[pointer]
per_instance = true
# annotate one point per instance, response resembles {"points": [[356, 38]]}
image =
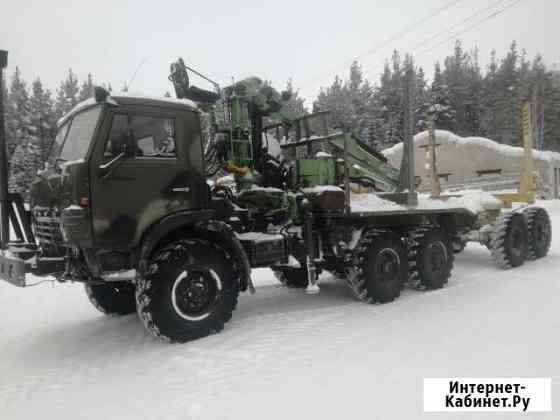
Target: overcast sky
{"points": [[309, 41]]}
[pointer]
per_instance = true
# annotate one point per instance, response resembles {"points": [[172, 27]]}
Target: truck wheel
{"points": [[190, 290], [539, 231], [112, 298], [431, 257], [292, 277], [458, 245], [509, 242], [383, 267]]}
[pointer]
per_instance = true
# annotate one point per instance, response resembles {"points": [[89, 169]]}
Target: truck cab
{"points": [[117, 166]]}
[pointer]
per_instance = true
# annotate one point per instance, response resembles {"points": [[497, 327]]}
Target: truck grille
{"points": [[47, 226]]}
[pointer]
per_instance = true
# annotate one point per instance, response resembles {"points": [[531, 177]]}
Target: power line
{"points": [[467, 29], [387, 41], [446, 30]]}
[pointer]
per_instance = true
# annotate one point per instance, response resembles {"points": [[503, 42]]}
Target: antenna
{"points": [[129, 84]]}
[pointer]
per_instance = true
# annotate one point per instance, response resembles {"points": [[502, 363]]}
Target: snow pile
{"points": [[474, 201], [449, 137], [372, 202]]}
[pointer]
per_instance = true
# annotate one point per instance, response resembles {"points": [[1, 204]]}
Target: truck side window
{"points": [[153, 137]]}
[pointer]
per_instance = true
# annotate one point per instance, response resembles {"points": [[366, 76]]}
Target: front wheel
{"points": [[190, 290], [115, 298]]}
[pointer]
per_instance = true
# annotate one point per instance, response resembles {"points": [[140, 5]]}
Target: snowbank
{"points": [[449, 137]]}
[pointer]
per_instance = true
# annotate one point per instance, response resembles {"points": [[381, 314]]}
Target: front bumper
{"points": [[12, 269]]}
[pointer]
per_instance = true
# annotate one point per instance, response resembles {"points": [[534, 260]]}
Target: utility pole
{"points": [[408, 163], [4, 201], [432, 170]]}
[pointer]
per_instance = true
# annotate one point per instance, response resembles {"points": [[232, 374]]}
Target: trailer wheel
{"points": [[509, 242], [116, 298], [292, 277], [431, 257], [539, 231], [190, 290], [383, 267]]}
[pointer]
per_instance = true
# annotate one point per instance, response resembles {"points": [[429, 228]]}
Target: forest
{"points": [[458, 95]]}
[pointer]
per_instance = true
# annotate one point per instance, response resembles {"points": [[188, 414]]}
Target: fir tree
{"points": [[441, 111], [42, 118], [67, 94]]}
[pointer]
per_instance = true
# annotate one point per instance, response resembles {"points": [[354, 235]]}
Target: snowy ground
{"points": [[285, 355]]}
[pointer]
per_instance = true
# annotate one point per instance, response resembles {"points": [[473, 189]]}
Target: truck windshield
{"points": [[73, 138]]}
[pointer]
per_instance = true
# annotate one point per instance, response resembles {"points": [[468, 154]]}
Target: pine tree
{"points": [[86, 91]]}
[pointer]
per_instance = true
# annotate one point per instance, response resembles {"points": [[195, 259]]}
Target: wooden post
{"points": [[4, 201], [526, 183], [434, 179]]}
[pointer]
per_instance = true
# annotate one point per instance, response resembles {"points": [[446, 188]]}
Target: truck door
{"points": [[148, 165]]}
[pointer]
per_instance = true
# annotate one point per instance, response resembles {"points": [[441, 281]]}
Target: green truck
{"points": [[130, 207]]}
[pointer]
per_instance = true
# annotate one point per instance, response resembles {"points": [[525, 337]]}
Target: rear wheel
{"points": [[189, 291], [539, 232], [431, 258], [509, 242], [116, 298]]}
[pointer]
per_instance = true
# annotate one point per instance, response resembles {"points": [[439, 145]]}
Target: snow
{"points": [[140, 95], [79, 106], [372, 202], [285, 354], [504, 149], [319, 189], [472, 200], [114, 100], [259, 237], [321, 154]]}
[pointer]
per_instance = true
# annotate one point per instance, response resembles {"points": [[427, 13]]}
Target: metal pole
{"points": [[4, 202]]}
